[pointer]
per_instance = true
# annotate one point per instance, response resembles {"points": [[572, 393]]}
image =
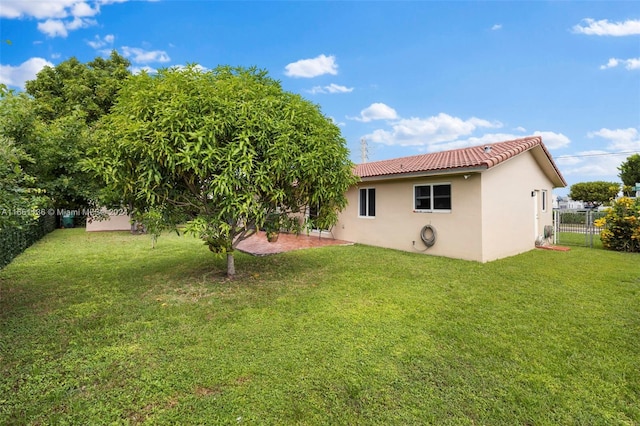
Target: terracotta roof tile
{"points": [[482, 156]]}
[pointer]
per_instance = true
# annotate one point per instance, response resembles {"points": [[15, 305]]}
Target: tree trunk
{"points": [[231, 266]]}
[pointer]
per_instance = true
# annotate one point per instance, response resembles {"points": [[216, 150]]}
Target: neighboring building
{"points": [[484, 202], [566, 203], [109, 221]]}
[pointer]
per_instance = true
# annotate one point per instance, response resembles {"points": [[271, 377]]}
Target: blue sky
{"points": [[409, 77]]}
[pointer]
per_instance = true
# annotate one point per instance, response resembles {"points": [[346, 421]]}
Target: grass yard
{"points": [[580, 239], [101, 329]]}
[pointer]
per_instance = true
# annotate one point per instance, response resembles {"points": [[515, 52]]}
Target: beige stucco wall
{"points": [[492, 214], [115, 222], [397, 226], [509, 208]]}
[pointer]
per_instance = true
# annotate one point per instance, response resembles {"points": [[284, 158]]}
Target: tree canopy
{"points": [[72, 86], [595, 193], [52, 121], [19, 198], [630, 170], [226, 149]]}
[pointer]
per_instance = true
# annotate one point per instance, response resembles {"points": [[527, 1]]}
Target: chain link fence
{"points": [[575, 227], [16, 239]]}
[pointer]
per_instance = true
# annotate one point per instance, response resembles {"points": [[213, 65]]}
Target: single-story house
{"points": [[480, 203]]}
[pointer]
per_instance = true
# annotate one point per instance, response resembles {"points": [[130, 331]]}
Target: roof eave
{"points": [[549, 166], [413, 175]]}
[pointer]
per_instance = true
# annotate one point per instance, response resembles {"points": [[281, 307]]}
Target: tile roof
{"points": [[476, 157]]}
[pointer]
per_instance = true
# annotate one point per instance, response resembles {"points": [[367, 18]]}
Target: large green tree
{"points": [[630, 172], [227, 149], [72, 86], [596, 193], [52, 122], [19, 198]]}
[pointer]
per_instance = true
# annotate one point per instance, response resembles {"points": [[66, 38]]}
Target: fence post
{"points": [[590, 228]]}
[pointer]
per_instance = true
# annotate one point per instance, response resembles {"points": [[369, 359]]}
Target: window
{"points": [[544, 200], [314, 212], [428, 198], [367, 202]]}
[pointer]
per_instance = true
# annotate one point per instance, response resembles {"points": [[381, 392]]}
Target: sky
{"points": [[407, 77]]}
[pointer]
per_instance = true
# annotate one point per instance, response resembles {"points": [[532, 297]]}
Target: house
{"points": [[566, 203], [480, 203]]}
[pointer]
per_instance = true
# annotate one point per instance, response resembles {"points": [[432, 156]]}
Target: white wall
{"points": [[115, 222]]}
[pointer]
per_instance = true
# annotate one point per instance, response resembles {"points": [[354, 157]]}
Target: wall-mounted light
{"points": [[467, 176], [533, 193]]}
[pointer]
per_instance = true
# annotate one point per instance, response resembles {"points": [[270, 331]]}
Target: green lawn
{"points": [[579, 239], [101, 329]]}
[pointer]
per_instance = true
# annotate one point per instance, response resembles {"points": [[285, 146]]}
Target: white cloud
{"points": [[332, 88], [376, 111], [308, 68], [56, 17], [197, 67], [605, 28], [141, 56], [17, 76], [98, 42], [553, 140], [550, 139], [53, 28], [83, 9], [147, 69], [60, 28], [520, 129], [613, 62], [595, 164], [429, 131], [496, 27], [602, 164], [337, 123], [619, 139], [630, 64], [13, 9]]}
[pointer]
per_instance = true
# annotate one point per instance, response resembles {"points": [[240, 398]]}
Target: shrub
{"points": [[621, 225], [572, 218]]}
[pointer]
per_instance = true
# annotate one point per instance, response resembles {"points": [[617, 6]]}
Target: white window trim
{"points": [[360, 201], [432, 210], [545, 200]]}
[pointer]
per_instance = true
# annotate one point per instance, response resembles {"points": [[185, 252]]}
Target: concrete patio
{"points": [[258, 245]]}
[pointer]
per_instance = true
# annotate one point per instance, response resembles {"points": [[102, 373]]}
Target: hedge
{"points": [[15, 240], [578, 218]]}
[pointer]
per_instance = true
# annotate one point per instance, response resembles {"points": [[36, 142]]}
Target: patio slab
{"points": [[258, 245]]}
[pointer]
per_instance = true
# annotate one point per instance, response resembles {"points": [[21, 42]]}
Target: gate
{"points": [[575, 227]]}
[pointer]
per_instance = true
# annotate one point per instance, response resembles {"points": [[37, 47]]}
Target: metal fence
{"points": [[15, 240], [575, 227]]}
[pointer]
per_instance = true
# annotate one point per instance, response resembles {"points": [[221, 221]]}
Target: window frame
{"points": [[544, 200], [368, 191], [432, 208], [309, 215]]}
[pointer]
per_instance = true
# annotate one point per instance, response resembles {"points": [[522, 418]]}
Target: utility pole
{"points": [[364, 151]]}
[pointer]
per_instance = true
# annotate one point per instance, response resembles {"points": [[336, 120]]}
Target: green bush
{"points": [[579, 218], [572, 218], [621, 225], [16, 239]]}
